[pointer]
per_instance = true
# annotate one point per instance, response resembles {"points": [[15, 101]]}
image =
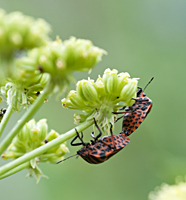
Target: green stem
{"points": [[15, 170], [42, 149], [31, 111], [5, 119]]}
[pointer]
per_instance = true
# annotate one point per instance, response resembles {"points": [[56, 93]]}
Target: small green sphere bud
{"points": [[86, 90], [129, 90]]}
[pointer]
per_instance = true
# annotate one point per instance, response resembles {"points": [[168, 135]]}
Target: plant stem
{"points": [[5, 119], [15, 170], [42, 149], [28, 114]]}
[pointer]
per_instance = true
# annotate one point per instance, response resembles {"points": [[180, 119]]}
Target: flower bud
{"points": [[19, 145], [105, 78], [52, 135], [75, 99], [129, 90], [79, 118], [86, 90], [112, 82], [81, 55], [23, 134], [62, 150], [66, 103], [44, 79], [7, 155], [130, 102], [21, 32], [123, 79], [29, 126], [34, 136], [43, 129], [99, 85]]}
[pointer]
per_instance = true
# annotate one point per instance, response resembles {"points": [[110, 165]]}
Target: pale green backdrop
{"points": [[145, 38]]}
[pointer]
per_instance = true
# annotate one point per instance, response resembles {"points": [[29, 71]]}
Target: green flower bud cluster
{"points": [[32, 136], [21, 92], [18, 32], [100, 98], [59, 59]]}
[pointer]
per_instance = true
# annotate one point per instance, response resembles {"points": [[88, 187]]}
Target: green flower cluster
{"points": [[24, 89], [18, 32], [99, 99], [32, 136], [169, 192], [59, 59]]}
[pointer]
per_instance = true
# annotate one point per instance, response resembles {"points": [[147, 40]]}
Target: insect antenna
{"points": [[148, 83], [67, 158]]}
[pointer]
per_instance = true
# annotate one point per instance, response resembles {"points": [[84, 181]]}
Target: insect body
{"points": [[135, 114], [100, 150], [103, 149], [140, 110]]}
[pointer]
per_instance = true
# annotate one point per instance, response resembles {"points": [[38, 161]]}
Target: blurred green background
{"points": [[145, 38]]}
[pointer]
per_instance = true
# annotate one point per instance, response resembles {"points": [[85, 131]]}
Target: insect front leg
{"points": [[80, 138]]}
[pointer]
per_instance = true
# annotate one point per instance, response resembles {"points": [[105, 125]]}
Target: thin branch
{"points": [[31, 111], [5, 119], [15, 170], [42, 149]]}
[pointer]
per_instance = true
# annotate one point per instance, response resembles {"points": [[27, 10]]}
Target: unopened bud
{"points": [[86, 90], [52, 135], [43, 129], [112, 82], [62, 150], [75, 99], [129, 90], [123, 79]]}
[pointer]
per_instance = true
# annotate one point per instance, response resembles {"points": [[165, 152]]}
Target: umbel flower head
{"points": [[18, 32], [22, 90], [60, 59], [169, 192], [32, 136], [100, 98]]}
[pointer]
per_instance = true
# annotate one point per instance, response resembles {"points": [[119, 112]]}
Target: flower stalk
{"points": [[15, 170], [31, 111], [28, 156], [5, 119]]}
